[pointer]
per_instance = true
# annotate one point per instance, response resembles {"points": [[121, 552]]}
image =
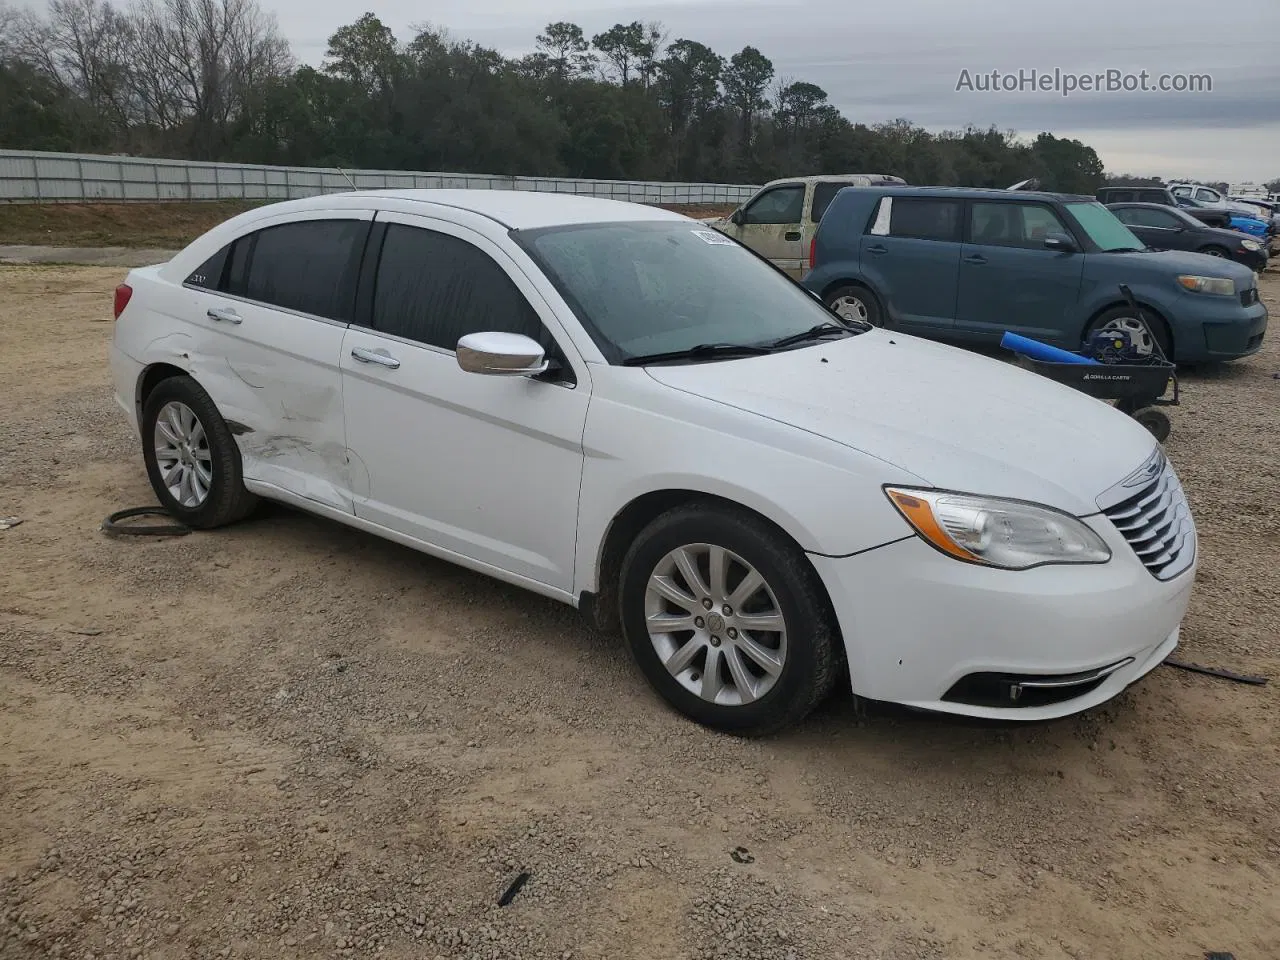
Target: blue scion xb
{"points": [[967, 265]]}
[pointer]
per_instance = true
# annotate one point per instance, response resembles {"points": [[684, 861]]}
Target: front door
{"points": [[772, 225], [481, 467], [1010, 281]]}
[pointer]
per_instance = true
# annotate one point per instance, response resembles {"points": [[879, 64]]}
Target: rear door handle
{"points": [[225, 314], [976, 258], [877, 250], [375, 356], [791, 235]]}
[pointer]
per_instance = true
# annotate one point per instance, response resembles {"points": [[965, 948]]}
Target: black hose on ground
{"points": [[113, 527]]}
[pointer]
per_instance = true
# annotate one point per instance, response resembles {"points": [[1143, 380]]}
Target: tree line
{"points": [[215, 80]]}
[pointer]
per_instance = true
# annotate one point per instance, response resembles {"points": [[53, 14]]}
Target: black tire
{"points": [[227, 500], [1155, 325], [1156, 421], [875, 313], [811, 664]]}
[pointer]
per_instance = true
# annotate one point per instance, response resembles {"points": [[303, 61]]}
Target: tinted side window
{"points": [[434, 288], [925, 219], [823, 194], [1013, 224], [780, 205], [307, 266], [209, 274]]}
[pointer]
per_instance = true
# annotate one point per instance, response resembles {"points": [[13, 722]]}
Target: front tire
{"points": [[727, 620], [1144, 331], [192, 459]]}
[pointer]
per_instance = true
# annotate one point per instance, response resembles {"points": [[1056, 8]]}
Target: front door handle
{"points": [[225, 314], [375, 356], [791, 235], [877, 249], [976, 258]]}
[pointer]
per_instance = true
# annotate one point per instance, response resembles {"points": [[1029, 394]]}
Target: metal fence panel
{"points": [[31, 176]]}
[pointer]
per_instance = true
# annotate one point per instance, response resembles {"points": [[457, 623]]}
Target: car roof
{"points": [[976, 193], [515, 209], [836, 178]]}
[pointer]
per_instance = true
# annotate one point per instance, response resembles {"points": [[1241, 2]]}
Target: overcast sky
{"points": [[903, 58]]}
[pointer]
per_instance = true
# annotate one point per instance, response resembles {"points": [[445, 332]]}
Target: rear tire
{"points": [[854, 302], [688, 607], [192, 459], [1156, 421]]}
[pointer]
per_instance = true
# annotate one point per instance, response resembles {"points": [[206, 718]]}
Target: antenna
{"points": [[348, 179]]}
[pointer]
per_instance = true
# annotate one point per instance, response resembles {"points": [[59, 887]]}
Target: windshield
{"points": [[1104, 228], [644, 288]]}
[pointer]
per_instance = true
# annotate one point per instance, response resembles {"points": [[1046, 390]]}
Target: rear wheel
{"points": [[1144, 332], [192, 459], [1156, 421], [727, 620], [853, 302]]}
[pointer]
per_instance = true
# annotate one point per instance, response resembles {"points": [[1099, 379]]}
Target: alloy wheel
{"points": [[183, 455]]}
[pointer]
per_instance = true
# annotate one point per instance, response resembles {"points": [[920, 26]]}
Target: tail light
{"points": [[813, 252], [123, 293]]}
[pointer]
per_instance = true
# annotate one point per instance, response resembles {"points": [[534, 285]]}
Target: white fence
{"points": [[33, 177]]}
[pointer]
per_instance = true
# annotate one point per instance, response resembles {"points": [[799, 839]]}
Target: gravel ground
{"points": [[290, 739]]}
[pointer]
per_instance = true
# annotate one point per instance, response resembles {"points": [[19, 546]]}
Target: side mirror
{"points": [[501, 355], [1060, 242], [737, 217]]}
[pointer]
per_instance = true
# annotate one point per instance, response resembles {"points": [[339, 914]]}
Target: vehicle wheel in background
{"points": [[854, 302], [192, 459], [728, 620], [1144, 331]]}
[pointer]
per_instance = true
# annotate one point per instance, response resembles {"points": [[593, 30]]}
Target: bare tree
{"points": [[200, 61]]}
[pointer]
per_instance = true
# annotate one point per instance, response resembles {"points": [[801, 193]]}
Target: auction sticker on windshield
{"points": [[712, 236]]}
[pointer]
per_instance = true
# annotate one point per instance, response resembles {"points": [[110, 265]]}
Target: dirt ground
{"points": [[163, 225], [290, 739]]}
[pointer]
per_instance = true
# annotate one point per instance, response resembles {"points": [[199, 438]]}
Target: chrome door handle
{"points": [[224, 313], [375, 356]]}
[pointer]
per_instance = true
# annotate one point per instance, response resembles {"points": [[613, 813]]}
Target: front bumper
{"points": [[1216, 328], [917, 623]]}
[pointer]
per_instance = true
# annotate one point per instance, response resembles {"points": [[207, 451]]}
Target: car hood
{"points": [[954, 419], [1170, 263]]}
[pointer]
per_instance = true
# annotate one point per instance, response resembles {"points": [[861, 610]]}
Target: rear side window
{"points": [[823, 194], [209, 274], [434, 289], [918, 218], [308, 266]]}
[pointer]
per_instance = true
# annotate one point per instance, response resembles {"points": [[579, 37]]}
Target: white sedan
{"points": [[625, 410]]}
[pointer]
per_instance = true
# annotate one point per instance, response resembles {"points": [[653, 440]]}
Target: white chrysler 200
{"points": [[617, 407]]}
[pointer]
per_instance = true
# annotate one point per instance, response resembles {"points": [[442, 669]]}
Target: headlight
{"points": [[1251, 245], [995, 532], [1218, 285]]}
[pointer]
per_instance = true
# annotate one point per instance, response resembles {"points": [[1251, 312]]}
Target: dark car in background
{"points": [[1169, 228], [968, 264], [1164, 196]]}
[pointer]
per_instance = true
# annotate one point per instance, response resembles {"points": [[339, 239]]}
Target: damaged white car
{"points": [[625, 410]]}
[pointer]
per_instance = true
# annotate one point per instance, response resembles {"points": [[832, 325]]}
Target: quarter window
{"points": [[308, 266], [823, 194], [434, 289], [208, 275], [780, 205]]}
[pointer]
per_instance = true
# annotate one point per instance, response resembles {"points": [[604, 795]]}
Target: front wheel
{"points": [[727, 620], [1145, 334]]}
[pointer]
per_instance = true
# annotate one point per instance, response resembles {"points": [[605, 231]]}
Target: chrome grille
{"points": [[1157, 524]]}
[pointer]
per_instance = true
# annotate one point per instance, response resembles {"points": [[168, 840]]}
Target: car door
{"points": [[482, 468], [1009, 280], [270, 311], [911, 257], [1155, 228], [771, 225]]}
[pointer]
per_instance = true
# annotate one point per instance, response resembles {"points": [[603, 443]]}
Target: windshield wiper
{"points": [[703, 351], [813, 333]]}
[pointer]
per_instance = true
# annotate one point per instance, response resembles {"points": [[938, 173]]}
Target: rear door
{"points": [[911, 256], [772, 226], [270, 314], [1009, 280]]}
